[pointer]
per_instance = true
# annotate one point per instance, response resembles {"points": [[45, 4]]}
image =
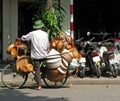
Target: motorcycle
{"points": [[82, 62], [117, 51], [90, 60], [93, 58], [108, 59]]}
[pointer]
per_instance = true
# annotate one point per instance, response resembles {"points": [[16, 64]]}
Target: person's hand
{"points": [[18, 39]]}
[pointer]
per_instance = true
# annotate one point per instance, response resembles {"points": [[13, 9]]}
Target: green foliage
{"points": [[51, 18]]}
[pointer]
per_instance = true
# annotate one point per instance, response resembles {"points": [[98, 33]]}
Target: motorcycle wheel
{"points": [[82, 72], [114, 71], [98, 70]]}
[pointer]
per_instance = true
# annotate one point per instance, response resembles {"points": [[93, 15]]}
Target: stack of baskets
{"points": [[57, 64], [23, 65], [22, 61]]}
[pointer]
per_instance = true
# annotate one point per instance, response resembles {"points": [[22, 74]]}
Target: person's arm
{"points": [[26, 37]]}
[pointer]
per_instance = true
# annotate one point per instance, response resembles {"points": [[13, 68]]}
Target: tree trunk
{"points": [[49, 5]]}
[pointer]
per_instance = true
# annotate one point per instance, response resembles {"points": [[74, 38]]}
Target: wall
{"points": [[0, 29], [10, 24], [66, 5]]}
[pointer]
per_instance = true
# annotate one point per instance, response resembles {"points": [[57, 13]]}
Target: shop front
{"points": [[16, 20], [96, 16]]}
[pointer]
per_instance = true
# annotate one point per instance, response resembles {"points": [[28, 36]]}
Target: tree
{"points": [[51, 15]]}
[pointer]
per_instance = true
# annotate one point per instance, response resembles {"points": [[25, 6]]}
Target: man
{"points": [[39, 47]]}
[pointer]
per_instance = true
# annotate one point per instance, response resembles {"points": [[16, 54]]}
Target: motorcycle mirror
{"points": [[88, 33], [92, 39], [79, 39]]}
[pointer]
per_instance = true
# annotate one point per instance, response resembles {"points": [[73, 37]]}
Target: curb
{"points": [[93, 81]]}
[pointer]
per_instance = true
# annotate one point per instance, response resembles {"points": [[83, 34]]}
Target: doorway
{"points": [[25, 15], [96, 16]]}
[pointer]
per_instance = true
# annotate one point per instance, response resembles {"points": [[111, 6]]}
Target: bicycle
{"points": [[13, 79], [53, 78]]}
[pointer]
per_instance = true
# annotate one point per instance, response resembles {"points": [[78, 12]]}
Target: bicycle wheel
{"points": [[11, 78], [53, 84], [82, 72]]}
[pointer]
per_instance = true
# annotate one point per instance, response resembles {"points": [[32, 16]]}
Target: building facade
{"points": [[1, 29], [12, 18], [81, 16]]}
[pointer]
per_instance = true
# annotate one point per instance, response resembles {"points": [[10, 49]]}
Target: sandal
{"points": [[39, 87]]}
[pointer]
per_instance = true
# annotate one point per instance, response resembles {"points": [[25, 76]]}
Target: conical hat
{"points": [[67, 55], [53, 54], [62, 70]]}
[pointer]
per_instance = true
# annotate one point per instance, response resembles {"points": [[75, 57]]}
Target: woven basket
{"points": [[10, 47], [23, 66], [75, 53], [14, 52], [54, 75]]}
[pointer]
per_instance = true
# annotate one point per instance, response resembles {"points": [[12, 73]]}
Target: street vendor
{"points": [[39, 48]]}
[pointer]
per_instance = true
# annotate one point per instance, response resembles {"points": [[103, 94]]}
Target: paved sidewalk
{"points": [[88, 80]]}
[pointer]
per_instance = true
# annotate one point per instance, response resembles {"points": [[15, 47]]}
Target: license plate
{"points": [[96, 58], [112, 61], [82, 64], [82, 60]]}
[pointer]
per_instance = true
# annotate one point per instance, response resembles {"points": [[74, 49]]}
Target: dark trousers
{"points": [[37, 63]]}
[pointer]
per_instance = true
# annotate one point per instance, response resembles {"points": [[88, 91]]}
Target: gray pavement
{"points": [[75, 89], [72, 93]]}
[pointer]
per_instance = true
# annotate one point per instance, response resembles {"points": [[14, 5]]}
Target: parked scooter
{"points": [[117, 51], [82, 62], [93, 58], [108, 59], [116, 44], [90, 61]]}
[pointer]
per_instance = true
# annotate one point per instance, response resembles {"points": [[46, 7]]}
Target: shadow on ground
{"points": [[27, 93]]}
